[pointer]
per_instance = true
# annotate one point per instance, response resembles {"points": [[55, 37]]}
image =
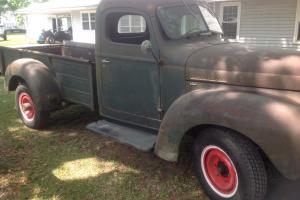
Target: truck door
{"points": [[129, 85]]}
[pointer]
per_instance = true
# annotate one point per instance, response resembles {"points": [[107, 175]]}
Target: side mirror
{"points": [[146, 46]]}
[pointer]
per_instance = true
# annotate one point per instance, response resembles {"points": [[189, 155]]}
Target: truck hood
{"points": [[242, 65]]}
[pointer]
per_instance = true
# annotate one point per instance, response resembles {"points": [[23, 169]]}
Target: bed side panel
{"points": [[76, 80]]}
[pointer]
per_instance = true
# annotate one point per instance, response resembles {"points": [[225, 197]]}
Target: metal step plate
{"points": [[137, 138]]}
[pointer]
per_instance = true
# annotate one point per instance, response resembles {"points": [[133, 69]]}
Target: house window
{"points": [[230, 19], [298, 32], [131, 24], [88, 20], [297, 23]]}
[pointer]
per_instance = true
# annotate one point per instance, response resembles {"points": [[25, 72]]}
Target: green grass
{"points": [[68, 162], [14, 40]]}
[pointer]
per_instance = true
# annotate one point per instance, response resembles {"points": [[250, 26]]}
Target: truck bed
{"points": [[72, 63]]}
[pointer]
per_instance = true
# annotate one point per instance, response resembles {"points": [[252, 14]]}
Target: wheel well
{"points": [[187, 144], [14, 82], [195, 131]]}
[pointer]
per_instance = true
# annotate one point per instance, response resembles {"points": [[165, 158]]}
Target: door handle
{"points": [[105, 61]]}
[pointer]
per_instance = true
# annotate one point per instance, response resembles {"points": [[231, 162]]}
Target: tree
{"points": [[13, 5]]}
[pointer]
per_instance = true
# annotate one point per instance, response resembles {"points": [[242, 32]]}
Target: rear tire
{"points": [[50, 40], [28, 110], [229, 166]]}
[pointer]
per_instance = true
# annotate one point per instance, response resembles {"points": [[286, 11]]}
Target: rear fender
{"points": [[38, 78], [270, 122]]}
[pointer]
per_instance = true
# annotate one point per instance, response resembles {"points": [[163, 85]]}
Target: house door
{"points": [[230, 19], [54, 25], [129, 79]]}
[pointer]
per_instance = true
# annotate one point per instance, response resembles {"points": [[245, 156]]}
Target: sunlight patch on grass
{"points": [[83, 169], [36, 195], [8, 181], [15, 40], [14, 129]]}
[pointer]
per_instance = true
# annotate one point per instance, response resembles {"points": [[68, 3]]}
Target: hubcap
{"points": [[27, 107], [219, 171]]}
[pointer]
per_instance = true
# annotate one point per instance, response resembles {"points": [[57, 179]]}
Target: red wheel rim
{"points": [[26, 106], [219, 171]]}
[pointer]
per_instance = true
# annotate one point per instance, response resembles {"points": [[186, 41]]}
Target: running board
{"points": [[140, 139]]}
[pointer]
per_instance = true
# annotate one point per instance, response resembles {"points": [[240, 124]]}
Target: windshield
{"points": [[182, 21]]}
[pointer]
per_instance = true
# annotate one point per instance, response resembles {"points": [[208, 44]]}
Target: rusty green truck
{"points": [[168, 77]]}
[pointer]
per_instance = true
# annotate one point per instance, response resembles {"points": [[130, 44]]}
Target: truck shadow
{"points": [[280, 188], [145, 176], [125, 173]]}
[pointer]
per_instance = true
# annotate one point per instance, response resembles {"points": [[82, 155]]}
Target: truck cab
{"points": [[147, 57], [161, 73]]}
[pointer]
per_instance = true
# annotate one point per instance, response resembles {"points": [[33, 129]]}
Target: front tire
{"points": [[28, 110], [229, 166]]}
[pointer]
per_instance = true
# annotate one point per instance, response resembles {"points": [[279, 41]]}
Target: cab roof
{"points": [[149, 6]]}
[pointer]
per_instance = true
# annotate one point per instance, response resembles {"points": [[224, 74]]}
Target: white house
{"points": [[62, 14], [261, 22], [78, 14], [8, 20], [257, 22]]}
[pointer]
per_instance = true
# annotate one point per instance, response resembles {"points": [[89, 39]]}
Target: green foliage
{"points": [[12, 5], [20, 20], [16, 4]]}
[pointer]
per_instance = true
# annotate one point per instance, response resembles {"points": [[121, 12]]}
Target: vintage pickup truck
{"points": [[166, 76]]}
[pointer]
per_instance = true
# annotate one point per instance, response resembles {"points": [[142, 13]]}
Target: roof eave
{"points": [[54, 10]]}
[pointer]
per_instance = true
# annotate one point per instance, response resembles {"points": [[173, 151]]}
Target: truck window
{"points": [[127, 28], [131, 24], [179, 21]]}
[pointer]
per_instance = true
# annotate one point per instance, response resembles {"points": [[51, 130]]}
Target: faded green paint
{"points": [[197, 82], [72, 78], [37, 76]]}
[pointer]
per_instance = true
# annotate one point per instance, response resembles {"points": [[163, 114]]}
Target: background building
{"points": [[61, 15], [260, 22], [8, 20]]}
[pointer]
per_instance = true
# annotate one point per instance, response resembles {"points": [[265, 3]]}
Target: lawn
{"points": [[68, 162], [14, 40]]}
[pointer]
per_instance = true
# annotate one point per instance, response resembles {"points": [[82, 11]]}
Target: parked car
{"points": [[15, 30], [48, 37], [5, 31], [168, 78], [2, 32]]}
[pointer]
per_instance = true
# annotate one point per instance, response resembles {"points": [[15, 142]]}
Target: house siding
{"points": [[268, 23], [80, 35], [35, 23]]}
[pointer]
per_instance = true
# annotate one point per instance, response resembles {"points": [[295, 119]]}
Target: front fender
{"points": [[39, 79], [272, 121]]}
